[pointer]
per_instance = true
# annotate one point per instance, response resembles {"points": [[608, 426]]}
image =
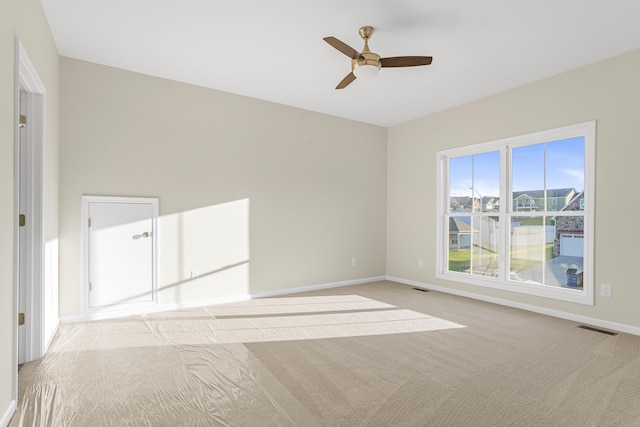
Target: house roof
{"points": [[457, 225], [572, 203]]}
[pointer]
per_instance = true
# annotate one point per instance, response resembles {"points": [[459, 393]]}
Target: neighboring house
{"points": [[460, 233], [491, 204], [533, 200], [473, 204], [569, 239], [458, 203]]}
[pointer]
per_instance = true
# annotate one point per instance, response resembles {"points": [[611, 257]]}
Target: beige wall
{"points": [[25, 20], [256, 196], [608, 92]]}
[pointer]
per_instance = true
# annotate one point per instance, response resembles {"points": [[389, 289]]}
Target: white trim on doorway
{"points": [[28, 82]]}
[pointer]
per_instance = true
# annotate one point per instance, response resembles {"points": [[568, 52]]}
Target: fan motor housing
{"points": [[370, 58]]}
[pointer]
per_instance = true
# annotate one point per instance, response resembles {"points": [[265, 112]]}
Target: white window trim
{"points": [[586, 295]]}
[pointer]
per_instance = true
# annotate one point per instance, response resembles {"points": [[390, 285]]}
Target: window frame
{"points": [[584, 296]]}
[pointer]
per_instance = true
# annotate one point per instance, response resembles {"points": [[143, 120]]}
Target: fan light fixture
{"points": [[366, 71]]}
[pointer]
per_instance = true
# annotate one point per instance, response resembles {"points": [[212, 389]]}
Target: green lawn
{"points": [[460, 260], [533, 220]]}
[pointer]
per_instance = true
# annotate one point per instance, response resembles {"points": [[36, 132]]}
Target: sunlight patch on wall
{"points": [[204, 252]]}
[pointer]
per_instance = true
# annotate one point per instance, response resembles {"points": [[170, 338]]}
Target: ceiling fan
{"points": [[367, 64]]}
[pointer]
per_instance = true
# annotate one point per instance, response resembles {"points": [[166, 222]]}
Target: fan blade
{"points": [[343, 47], [346, 81], [405, 61]]}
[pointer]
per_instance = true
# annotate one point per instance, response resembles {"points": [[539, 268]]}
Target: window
{"points": [[541, 241]]}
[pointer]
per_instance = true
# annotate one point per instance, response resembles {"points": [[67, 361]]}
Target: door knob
{"points": [[140, 236]]}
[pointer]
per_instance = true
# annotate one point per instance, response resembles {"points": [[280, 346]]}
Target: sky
{"points": [[560, 162]]}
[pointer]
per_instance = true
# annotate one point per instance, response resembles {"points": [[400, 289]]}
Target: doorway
{"points": [[119, 252], [30, 339]]}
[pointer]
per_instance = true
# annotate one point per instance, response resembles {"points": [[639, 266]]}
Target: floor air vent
{"points": [[421, 290], [602, 331]]}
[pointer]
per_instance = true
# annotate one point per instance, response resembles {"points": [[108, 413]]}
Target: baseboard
{"points": [[8, 414], [212, 301], [309, 288], [620, 327], [153, 309]]}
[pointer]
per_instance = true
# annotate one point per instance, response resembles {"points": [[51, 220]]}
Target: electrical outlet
{"points": [[605, 290], [354, 261], [420, 263]]}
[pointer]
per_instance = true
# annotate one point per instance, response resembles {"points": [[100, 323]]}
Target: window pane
{"points": [[527, 172], [474, 183], [484, 248], [460, 180], [565, 172], [566, 266], [460, 244], [528, 249], [486, 181]]}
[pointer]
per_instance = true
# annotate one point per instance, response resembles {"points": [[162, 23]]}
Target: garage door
{"points": [[572, 245]]}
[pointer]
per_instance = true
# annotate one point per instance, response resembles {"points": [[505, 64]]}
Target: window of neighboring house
{"points": [[536, 243]]}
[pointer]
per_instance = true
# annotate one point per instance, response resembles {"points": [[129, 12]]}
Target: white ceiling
{"points": [[273, 50]]}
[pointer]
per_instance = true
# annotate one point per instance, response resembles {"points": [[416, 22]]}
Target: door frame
{"points": [[28, 81], [89, 312]]}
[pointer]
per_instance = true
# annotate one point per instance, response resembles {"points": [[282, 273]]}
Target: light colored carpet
{"points": [[379, 354]]}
